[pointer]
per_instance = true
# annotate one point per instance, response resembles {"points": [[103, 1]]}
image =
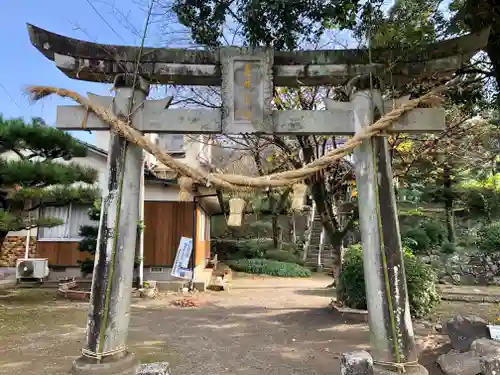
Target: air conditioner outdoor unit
{"points": [[33, 268]]}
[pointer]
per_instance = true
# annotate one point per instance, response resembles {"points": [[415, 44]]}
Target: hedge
{"points": [[269, 267]]}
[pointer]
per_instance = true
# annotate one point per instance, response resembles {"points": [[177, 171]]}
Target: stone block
{"points": [[151, 293], [356, 363], [460, 363], [485, 347], [171, 286], [463, 330], [490, 365], [150, 284], [157, 368], [200, 286]]}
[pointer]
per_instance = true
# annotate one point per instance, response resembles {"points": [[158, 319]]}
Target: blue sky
{"points": [[22, 65]]}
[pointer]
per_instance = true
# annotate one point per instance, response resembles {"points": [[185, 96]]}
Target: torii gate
{"points": [[247, 78]]}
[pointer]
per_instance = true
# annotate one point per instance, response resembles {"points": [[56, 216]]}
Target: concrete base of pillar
{"points": [[410, 370], [361, 363], [126, 365]]}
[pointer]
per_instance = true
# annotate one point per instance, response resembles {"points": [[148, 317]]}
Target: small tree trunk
{"points": [[4, 206], [337, 267], [448, 204], [3, 236], [493, 50], [276, 234]]}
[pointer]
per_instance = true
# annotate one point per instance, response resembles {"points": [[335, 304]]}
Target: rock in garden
{"points": [[486, 347], [490, 365], [148, 293], [463, 330], [356, 363], [467, 363], [157, 368]]}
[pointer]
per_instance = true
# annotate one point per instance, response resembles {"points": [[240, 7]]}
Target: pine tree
{"points": [[89, 234], [89, 237], [33, 174]]}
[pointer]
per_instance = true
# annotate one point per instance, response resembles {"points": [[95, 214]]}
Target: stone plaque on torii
{"points": [[247, 78]]}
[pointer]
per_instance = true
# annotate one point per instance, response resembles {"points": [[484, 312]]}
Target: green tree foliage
{"points": [[452, 171], [32, 175], [489, 238], [277, 23], [421, 281], [89, 237]]}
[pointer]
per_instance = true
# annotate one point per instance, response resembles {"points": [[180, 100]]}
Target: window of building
{"points": [[74, 216]]}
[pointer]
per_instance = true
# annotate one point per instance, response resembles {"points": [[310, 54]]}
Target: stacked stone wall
{"points": [[13, 248]]}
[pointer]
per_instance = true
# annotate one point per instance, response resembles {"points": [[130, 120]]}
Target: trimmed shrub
{"points": [[421, 282], [241, 249], [448, 248], [489, 238], [224, 249], [435, 231], [269, 267], [283, 256], [421, 240]]}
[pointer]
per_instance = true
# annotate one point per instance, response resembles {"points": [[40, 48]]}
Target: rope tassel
{"points": [[299, 196], [236, 208], [186, 189]]}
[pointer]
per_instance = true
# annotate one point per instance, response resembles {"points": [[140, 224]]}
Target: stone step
{"points": [[315, 249], [326, 248], [323, 260], [315, 256], [324, 252]]}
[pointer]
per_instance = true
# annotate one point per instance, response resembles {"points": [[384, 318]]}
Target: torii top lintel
{"points": [[102, 62]]}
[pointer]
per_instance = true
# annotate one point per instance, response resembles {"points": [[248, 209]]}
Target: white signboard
{"points": [[181, 267]]}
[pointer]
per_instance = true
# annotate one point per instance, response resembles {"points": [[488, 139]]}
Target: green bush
{"points": [[448, 248], [489, 238], [269, 267], [253, 248], [241, 249], [282, 256], [408, 242], [86, 266], [435, 231], [421, 240], [421, 282]]}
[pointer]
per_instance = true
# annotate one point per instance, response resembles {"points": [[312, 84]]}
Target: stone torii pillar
{"points": [[105, 350], [391, 331]]}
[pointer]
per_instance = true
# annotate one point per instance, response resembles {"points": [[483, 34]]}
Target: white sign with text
{"points": [[181, 267]]}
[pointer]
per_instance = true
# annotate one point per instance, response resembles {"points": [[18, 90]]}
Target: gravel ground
{"points": [[261, 326]]}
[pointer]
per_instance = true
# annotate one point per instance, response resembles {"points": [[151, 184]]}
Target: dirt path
{"points": [[261, 326]]}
